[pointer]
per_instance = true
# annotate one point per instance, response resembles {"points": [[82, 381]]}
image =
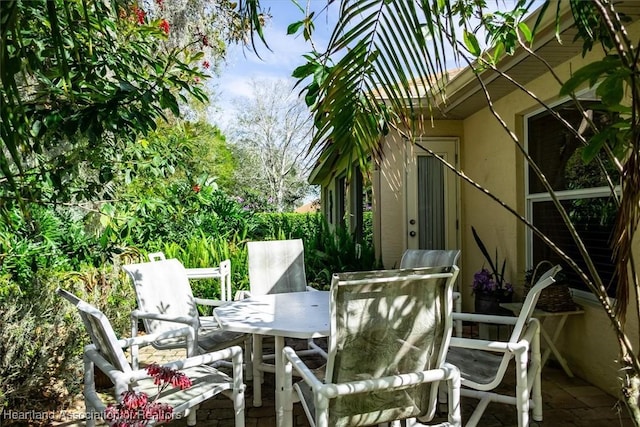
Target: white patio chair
{"points": [[416, 258], [106, 353], [483, 363], [390, 331], [166, 302], [222, 272], [275, 266]]}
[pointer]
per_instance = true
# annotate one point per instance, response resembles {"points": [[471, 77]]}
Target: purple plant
{"points": [[485, 282], [490, 281], [137, 410]]}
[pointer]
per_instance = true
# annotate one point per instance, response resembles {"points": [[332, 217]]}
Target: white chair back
{"points": [[276, 266], [404, 318], [100, 331], [416, 258], [530, 301], [162, 287]]}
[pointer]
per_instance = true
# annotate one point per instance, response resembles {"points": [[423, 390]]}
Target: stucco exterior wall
{"points": [[388, 195], [389, 191], [490, 157]]}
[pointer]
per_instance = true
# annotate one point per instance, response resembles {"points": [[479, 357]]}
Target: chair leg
{"points": [[238, 390], [238, 407], [322, 411], [288, 392], [522, 388], [453, 399], [89, 392], [536, 366], [248, 358], [477, 413]]}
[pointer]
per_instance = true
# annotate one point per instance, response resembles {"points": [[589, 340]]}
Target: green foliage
{"points": [[287, 226], [206, 251], [80, 80], [193, 152], [611, 76], [174, 213], [45, 239], [329, 253], [41, 336]]}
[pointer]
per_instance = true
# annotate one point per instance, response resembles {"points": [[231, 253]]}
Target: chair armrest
{"points": [[203, 273], [447, 372], [142, 340], [233, 352], [210, 302], [242, 294], [500, 346], [125, 378], [139, 314], [485, 318], [307, 375], [475, 344]]}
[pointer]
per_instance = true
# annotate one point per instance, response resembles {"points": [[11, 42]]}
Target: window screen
{"points": [[581, 186]]}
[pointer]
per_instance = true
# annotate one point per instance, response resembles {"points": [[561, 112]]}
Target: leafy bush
{"points": [[176, 213], [41, 336], [39, 352], [45, 239], [287, 226], [330, 252]]}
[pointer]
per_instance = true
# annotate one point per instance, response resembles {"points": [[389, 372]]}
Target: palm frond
{"points": [[391, 58]]}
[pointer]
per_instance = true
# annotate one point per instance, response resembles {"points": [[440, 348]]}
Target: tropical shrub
{"points": [[333, 252], [41, 337], [287, 226], [38, 355]]}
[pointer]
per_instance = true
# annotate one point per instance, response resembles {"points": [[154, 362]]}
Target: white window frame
{"points": [[581, 295]]}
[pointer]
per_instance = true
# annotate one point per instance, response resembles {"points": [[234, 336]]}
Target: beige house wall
{"points": [[489, 156], [389, 191]]}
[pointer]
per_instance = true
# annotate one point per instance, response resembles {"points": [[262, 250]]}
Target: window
{"points": [[341, 190], [581, 187]]}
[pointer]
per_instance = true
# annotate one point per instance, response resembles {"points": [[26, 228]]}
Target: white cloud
{"points": [[243, 65]]}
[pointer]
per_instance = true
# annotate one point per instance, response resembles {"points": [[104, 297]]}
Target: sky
{"points": [[243, 65]]}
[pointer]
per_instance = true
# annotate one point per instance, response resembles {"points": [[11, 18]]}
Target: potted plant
{"points": [[489, 285]]}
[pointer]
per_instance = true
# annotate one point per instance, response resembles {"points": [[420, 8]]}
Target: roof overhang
{"points": [[464, 92]]}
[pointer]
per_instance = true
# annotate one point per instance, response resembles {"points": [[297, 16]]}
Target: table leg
{"points": [[256, 354], [281, 420], [551, 347]]}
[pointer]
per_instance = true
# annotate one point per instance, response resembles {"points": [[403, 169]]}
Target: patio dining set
{"points": [[394, 352]]}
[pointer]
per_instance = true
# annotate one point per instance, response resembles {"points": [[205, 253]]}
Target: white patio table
{"points": [[293, 315]]}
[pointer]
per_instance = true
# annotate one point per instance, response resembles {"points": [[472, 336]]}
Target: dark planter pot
{"points": [[489, 303]]}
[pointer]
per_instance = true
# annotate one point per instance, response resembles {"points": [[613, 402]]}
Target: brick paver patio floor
{"points": [[567, 402]]}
